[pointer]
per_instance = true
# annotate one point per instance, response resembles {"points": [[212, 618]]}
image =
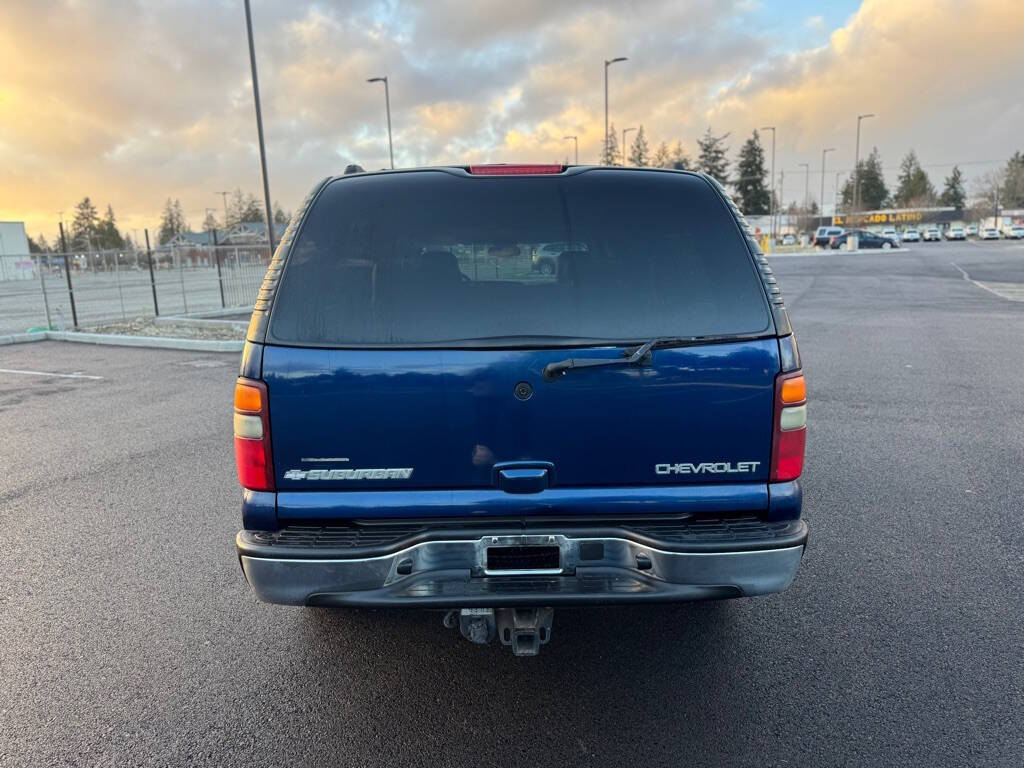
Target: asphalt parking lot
{"points": [[128, 635]]}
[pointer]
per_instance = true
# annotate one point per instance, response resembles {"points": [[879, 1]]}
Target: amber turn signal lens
{"points": [[247, 398], [794, 390]]}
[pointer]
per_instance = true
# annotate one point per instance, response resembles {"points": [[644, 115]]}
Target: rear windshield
{"points": [[434, 258]]}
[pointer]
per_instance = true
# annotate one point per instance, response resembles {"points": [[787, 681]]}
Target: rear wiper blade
{"points": [[640, 356]]}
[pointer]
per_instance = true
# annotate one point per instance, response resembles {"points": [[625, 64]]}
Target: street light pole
{"points": [[624, 131], [807, 183], [576, 147], [821, 212], [387, 106], [771, 192], [856, 164], [259, 127], [835, 198], [608, 63], [224, 196]]}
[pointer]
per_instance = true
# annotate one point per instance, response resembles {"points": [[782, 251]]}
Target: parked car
{"points": [[892, 234], [1015, 232], [956, 233], [789, 240], [545, 258], [931, 235], [824, 235], [911, 236], [972, 230], [404, 416], [865, 239], [990, 233]]}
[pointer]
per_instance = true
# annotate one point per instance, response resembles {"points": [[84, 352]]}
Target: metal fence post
{"points": [[42, 286], [117, 277], [152, 280], [220, 277], [181, 278], [67, 274]]}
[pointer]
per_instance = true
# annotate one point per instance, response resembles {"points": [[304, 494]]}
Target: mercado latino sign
{"points": [[903, 216]]}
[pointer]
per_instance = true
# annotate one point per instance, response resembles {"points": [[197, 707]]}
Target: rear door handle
{"points": [[523, 480]]}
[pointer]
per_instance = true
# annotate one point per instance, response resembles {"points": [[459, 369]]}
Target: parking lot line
{"points": [[1008, 291], [46, 373]]}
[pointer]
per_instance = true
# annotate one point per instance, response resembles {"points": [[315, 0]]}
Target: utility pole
{"points": [[856, 165], [607, 63], [835, 198], [224, 196], [625, 130], [823, 153], [771, 193], [259, 127], [782, 202], [576, 147]]}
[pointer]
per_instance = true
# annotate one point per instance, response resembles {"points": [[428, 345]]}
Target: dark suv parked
{"points": [[424, 421]]}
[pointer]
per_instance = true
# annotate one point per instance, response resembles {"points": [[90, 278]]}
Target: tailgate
{"points": [[407, 419]]}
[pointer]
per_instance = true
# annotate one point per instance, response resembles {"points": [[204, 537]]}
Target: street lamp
{"points": [[624, 132], [856, 164], [259, 128], [835, 198], [771, 193], [387, 106], [576, 146], [823, 153], [608, 63], [807, 183]]}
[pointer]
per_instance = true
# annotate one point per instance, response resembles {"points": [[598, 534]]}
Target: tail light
{"points": [[789, 433], [512, 170], [252, 436]]}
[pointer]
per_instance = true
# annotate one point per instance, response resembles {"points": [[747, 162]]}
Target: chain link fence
{"points": [[62, 291]]}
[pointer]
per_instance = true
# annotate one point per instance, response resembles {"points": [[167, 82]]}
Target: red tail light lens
{"points": [[512, 170], [789, 433], [252, 436]]}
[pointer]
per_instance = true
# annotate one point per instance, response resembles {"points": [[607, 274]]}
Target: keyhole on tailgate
{"points": [[523, 391]]}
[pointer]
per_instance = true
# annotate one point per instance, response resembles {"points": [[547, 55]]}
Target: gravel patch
{"points": [[145, 326]]}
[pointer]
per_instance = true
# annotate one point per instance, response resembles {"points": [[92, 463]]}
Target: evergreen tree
{"points": [[107, 235], [953, 193], [712, 158], [611, 147], [172, 221], [210, 222], [1012, 193], [281, 218], [914, 188], [873, 192], [662, 158], [754, 198], [679, 159], [639, 153], [84, 225]]}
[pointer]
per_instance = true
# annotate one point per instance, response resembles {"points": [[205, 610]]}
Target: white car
{"points": [[932, 234], [1015, 233], [911, 236], [789, 240], [956, 233], [990, 233], [972, 230], [891, 234]]}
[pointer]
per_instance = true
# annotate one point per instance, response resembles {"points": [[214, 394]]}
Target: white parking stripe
{"points": [[1009, 291], [55, 375]]}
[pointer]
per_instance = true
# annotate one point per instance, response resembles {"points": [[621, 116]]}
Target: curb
{"points": [[113, 340], [836, 252], [199, 322]]}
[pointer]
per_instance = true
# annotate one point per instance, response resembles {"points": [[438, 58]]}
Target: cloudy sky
{"points": [[133, 102]]}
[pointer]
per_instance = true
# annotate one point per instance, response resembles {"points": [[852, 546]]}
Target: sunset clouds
{"points": [[131, 103]]}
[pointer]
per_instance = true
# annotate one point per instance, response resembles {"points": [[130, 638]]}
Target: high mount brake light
{"points": [[512, 170], [789, 427], [253, 458]]}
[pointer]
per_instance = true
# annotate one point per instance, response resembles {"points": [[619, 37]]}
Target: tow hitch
{"points": [[525, 629]]}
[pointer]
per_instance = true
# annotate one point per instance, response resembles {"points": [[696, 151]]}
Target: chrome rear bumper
{"points": [[454, 573]]}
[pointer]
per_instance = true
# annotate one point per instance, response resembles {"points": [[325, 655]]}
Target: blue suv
{"points": [[425, 420]]}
